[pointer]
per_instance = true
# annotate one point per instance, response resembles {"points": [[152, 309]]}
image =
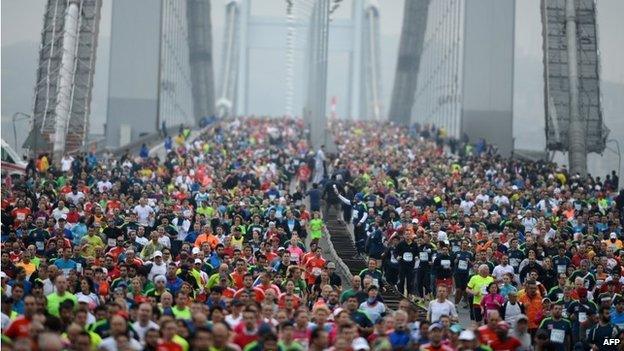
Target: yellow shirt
{"points": [[479, 285]]}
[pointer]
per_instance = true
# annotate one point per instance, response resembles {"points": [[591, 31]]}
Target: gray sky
{"points": [[21, 32]]}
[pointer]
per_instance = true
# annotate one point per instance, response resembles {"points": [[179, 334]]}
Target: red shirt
{"points": [[19, 215], [510, 344], [487, 335], [242, 337], [258, 294], [168, 346], [18, 328]]}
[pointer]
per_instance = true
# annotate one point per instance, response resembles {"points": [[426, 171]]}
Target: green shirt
{"points": [[55, 300], [316, 228], [184, 313]]}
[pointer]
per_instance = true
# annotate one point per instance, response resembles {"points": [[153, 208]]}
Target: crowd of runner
{"points": [[218, 246]]}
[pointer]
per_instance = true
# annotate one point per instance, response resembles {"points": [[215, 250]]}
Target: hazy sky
{"points": [[21, 33]]}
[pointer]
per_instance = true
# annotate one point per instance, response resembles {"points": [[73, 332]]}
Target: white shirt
{"points": [[500, 270], [165, 241], [110, 344], [141, 331], [157, 270], [143, 213], [66, 163], [231, 321], [104, 185], [75, 198], [58, 213], [437, 309], [373, 311]]}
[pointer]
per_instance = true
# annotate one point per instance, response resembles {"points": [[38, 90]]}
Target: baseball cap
{"points": [[83, 299], [456, 328], [331, 265], [156, 254], [435, 326], [467, 335], [360, 344], [613, 235], [197, 260]]}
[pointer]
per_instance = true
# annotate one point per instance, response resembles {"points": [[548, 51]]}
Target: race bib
{"points": [[582, 317], [484, 290], [463, 265], [79, 267], [557, 336], [514, 262], [21, 216], [112, 242], [446, 263], [316, 271], [376, 282], [561, 268], [408, 257], [40, 245], [66, 271], [455, 248], [423, 256], [559, 296], [393, 259]]}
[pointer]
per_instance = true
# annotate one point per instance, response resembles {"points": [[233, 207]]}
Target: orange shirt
{"points": [[532, 307], [209, 238], [238, 279], [314, 266]]}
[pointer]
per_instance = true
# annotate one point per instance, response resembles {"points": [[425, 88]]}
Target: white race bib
{"points": [[112, 242], [376, 282], [582, 317], [446, 263], [484, 289], [557, 336], [408, 256], [561, 268], [559, 296], [455, 248], [316, 271], [423, 256], [40, 245], [514, 262], [463, 265]]}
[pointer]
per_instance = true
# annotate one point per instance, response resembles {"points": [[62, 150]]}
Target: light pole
{"points": [[14, 119]]}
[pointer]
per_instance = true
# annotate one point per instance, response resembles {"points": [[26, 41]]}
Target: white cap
{"points": [[195, 250], [83, 299], [360, 344], [613, 235], [197, 260], [467, 335], [157, 253]]}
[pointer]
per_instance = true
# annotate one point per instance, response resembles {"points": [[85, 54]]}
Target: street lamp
{"points": [[14, 119]]}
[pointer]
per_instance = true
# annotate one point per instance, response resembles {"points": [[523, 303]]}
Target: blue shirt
{"points": [[65, 265]]}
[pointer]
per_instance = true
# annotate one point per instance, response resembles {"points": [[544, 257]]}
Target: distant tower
{"points": [[65, 76]]}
